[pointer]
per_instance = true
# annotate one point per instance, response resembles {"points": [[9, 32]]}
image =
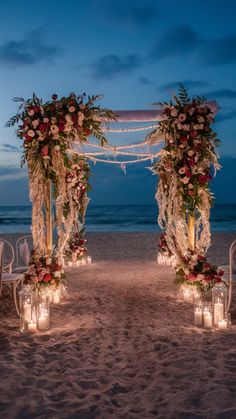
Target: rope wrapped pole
{"points": [[48, 217]]}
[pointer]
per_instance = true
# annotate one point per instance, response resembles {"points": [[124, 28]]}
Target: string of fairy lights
{"points": [[111, 154]]}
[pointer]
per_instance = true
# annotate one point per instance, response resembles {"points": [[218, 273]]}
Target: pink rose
{"points": [[193, 133]]}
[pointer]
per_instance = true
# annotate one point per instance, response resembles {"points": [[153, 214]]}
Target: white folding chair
{"points": [[11, 280], [8, 256], [24, 245], [232, 274]]}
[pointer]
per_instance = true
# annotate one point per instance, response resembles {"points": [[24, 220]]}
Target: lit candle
{"points": [[207, 318], [69, 264], [83, 262], [56, 297], [89, 260], [32, 328], [218, 312], [187, 295], [27, 312], [78, 263], [222, 324], [42, 322], [198, 316]]}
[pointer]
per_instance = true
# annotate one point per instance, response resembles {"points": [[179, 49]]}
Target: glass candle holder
{"points": [[56, 295], [219, 302], [26, 296], [207, 316], [43, 314], [198, 316]]}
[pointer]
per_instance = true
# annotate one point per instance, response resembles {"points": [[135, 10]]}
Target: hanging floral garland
{"points": [[185, 170], [48, 131]]}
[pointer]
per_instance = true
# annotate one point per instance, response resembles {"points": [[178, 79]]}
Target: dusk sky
{"points": [[135, 53]]}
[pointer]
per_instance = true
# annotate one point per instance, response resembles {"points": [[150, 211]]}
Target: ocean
{"points": [[116, 218]]}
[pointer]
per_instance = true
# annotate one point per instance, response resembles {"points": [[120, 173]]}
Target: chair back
{"points": [[232, 260], [24, 245], [1, 263], [8, 256]]}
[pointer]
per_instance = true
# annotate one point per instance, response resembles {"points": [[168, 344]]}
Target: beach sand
{"points": [[121, 346]]}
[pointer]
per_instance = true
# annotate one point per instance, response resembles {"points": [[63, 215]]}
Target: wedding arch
{"points": [[57, 150]]}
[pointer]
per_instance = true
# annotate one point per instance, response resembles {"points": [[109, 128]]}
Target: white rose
{"points": [[57, 147], [53, 120], [179, 126], [31, 112], [174, 112], [71, 109], [35, 123], [185, 180], [200, 119], [186, 127], [67, 118], [54, 129], [190, 153], [31, 133], [45, 120], [55, 136], [201, 126], [190, 186]]}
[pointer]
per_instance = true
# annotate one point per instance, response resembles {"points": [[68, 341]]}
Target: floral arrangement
{"points": [[75, 248], [77, 182], [195, 270], [163, 246], [48, 131], [185, 170], [44, 271]]}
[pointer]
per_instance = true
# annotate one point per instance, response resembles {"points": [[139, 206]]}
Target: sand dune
{"points": [[121, 346]]}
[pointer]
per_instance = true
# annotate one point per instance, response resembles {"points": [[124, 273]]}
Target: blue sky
{"points": [[134, 53]]}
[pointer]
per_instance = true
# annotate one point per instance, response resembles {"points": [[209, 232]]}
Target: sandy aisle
{"points": [[121, 346]]}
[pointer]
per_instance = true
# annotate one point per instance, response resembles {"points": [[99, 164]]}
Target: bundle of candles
{"points": [[189, 294], [86, 260], [211, 315], [163, 259], [35, 307], [35, 315]]}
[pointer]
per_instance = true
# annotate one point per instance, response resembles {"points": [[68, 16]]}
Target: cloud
{"points": [[177, 41], [27, 51], [219, 52], [226, 116], [222, 94], [189, 84], [13, 176], [145, 80], [125, 13], [8, 148], [111, 66]]}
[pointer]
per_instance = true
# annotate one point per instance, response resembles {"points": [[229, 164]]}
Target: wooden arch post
{"points": [[191, 232], [48, 217]]}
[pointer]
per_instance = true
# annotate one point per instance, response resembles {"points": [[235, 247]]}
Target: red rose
{"points": [[54, 96], [188, 172], [43, 127], [61, 127], [218, 279], [191, 162], [192, 277], [183, 138], [44, 150], [220, 272], [47, 277], [57, 267], [204, 179], [193, 133], [36, 109], [206, 266], [190, 192], [87, 131], [201, 258]]}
